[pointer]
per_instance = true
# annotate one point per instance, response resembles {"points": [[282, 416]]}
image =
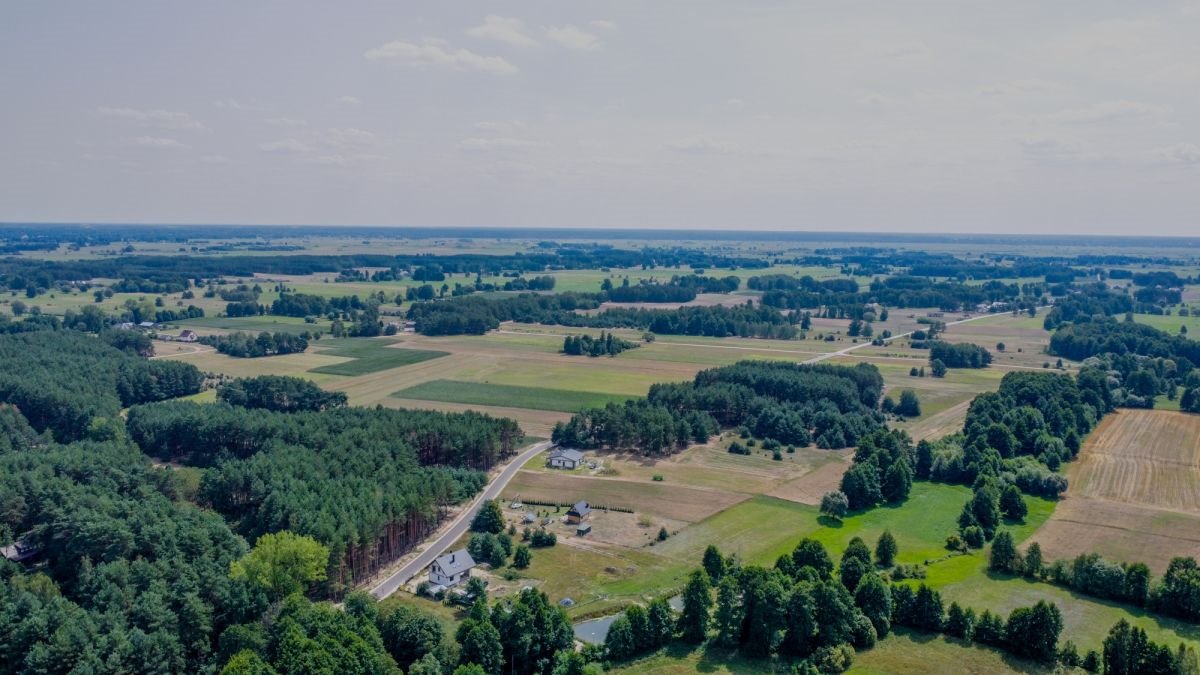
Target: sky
{"points": [[958, 116]]}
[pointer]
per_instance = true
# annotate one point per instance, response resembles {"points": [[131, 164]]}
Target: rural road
{"points": [[438, 546], [847, 350]]}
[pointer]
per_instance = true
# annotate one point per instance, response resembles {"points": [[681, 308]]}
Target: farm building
{"points": [[188, 335], [564, 459], [147, 324], [452, 568], [578, 513], [583, 530]]}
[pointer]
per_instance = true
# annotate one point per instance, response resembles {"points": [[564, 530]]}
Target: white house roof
{"points": [[455, 562], [573, 455]]}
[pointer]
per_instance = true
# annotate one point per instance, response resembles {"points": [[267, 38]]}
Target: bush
{"points": [[973, 536], [658, 478]]}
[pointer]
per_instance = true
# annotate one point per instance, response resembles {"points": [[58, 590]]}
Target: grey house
{"points": [[564, 459], [452, 568]]}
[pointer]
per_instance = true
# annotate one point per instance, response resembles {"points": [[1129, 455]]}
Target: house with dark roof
{"points": [[560, 458], [187, 335], [578, 513], [20, 550], [452, 568]]}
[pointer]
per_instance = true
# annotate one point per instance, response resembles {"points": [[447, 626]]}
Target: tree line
{"points": [[833, 406], [606, 344], [247, 345]]}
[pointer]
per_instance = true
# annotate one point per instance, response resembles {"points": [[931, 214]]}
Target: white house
{"points": [[188, 336], [452, 568], [564, 459]]}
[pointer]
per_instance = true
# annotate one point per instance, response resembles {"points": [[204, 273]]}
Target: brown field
{"points": [[1134, 493], [809, 488], [676, 502]]}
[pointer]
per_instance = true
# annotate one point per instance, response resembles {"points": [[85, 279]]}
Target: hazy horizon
{"points": [[1076, 118]]}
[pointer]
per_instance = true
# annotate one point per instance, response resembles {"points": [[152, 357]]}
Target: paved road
{"points": [[435, 548]]}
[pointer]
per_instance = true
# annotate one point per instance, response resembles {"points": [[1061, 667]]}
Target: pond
{"points": [[593, 631]]}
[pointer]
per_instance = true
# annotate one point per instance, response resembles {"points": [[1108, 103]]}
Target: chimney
{"points": [[451, 557]]}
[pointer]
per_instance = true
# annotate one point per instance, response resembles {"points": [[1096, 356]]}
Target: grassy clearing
{"points": [[1171, 324], [536, 398], [676, 502], [902, 652]]}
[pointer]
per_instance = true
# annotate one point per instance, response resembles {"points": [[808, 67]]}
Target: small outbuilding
{"points": [[20, 550], [579, 513], [564, 459], [452, 568], [583, 530]]}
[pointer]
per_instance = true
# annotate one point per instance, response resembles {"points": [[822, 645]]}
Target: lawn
{"points": [[371, 355], [602, 580], [511, 396]]}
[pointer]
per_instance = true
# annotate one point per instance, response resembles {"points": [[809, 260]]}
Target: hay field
{"points": [[676, 502], [1134, 492]]}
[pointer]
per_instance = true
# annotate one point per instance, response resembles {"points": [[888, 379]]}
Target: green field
{"points": [[511, 396], [257, 324], [901, 652], [372, 355]]}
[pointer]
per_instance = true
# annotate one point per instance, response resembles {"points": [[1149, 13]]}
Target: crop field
{"points": [[371, 355], [537, 398], [1134, 492]]}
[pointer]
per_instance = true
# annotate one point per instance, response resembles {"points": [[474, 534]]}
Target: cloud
{"points": [[1181, 153], [898, 50], [216, 159], [342, 160], [501, 143], [163, 119], [287, 146], [346, 137], [285, 122], [703, 145], [507, 30], [156, 142], [234, 104], [603, 24], [572, 37], [498, 127], [1106, 111], [349, 100], [430, 53], [1025, 86]]}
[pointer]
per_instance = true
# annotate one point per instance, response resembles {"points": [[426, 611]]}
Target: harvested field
{"points": [[676, 502], [537, 398], [809, 488], [1147, 457], [1134, 492]]}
